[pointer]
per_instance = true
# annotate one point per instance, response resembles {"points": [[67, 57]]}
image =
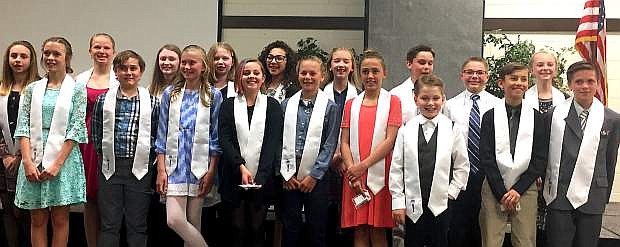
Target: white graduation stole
{"points": [[438, 200], [579, 187], [231, 91], [84, 77], [143, 144], [4, 124], [58, 127], [511, 169], [250, 137], [313, 136], [200, 147], [376, 173], [351, 92]]}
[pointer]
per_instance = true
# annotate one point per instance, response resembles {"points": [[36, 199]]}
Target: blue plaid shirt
{"points": [[127, 116]]}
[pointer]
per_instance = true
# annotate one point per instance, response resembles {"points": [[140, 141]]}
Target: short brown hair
{"points": [[123, 56], [475, 59], [427, 81], [413, 52], [510, 68], [579, 66]]}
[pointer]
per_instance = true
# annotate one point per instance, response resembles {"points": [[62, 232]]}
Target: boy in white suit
{"points": [[425, 179]]}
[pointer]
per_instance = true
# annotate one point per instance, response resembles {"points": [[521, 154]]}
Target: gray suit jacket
{"points": [[600, 189]]}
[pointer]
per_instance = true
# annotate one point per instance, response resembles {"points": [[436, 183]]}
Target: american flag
{"points": [[590, 41]]}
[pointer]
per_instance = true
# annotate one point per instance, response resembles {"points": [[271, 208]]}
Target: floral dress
{"points": [[69, 186]]}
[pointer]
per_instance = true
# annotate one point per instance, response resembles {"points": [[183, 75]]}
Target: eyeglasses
{"points": [[474, 72], [277, 58]]}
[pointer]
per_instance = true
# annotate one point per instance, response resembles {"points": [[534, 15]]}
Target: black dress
{"points": [[269, 161]]}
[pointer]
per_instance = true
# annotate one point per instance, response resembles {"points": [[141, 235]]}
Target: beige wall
{"points": [[249, 42], [543, 8], [143, 26], [349, 8]]}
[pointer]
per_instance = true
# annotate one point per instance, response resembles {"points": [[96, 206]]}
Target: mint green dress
{"points": [[69, 186]]}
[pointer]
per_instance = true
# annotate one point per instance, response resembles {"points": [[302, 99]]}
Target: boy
{"points": [[583, 150], [511, 159], [419, 62], [466, 110], [423, 177], [124, 128]]}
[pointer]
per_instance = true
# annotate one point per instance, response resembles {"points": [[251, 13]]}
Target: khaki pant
{"points": [[494, 223]]}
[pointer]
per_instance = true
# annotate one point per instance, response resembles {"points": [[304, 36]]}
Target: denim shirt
{"points": [[329, 136]]}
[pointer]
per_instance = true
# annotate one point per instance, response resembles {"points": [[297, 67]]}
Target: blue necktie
{"points": [[473, 136]]}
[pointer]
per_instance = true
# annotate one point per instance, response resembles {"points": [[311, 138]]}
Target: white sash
{"points": [[4, 124], [58, 127], [200, 148], [579, 187], [376, 173], [231, 91], [531, 97], [313, 136], [141, 156], [351, 91], [438, 200], [250, 137], [511, 169], [84, 77]]}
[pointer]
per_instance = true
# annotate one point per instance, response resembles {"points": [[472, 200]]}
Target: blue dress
{"points": [[69, 186], [182, 182]]}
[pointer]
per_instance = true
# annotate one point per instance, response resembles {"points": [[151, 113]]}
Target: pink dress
{"points": [[89, 154], [378, 212]]}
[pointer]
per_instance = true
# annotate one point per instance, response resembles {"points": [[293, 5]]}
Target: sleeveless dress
{"points": [[89, 154], [69, 186]]}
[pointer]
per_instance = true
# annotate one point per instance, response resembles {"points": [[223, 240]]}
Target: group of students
{"points": [[244, 135]]}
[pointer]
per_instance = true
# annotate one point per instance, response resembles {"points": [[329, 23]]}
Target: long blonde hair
{"points": [[352, 75], [8, 78], [206, 96], [211, 59]]}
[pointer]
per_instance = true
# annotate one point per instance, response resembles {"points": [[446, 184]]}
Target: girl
{"points": [[222, 62], [543, 96], [20, 69], [250, 129], [49, 127], [308, 142], [187, 145], [369, 127], [97, 80], [166, 69], [342, 86], [280, 61]]}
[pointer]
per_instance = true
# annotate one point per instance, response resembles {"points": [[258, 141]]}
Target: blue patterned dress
{"points": [[182, 181], [69, 186]]}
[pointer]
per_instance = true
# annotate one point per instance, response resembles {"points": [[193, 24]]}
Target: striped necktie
{"points": [[473, 136], [583, 119]]}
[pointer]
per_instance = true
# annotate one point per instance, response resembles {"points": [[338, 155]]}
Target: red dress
{"points": [[89, 155], [378, 212]]}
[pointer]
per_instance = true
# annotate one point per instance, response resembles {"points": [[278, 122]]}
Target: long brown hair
{"points": [[352, 75], [211, 60], [206, 96], [8, 78], [159, 83], [68, 51]]}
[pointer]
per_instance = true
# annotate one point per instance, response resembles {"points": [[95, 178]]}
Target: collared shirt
{"points": [[428, 127], [458, 108], [580, 108], [329, 136], [127, 116]]}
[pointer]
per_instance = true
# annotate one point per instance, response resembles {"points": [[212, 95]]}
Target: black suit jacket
{"points": [[538, 161], [269, 161], [607, 153]]}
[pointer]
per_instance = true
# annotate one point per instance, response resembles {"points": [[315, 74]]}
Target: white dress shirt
{"points": [[458, 108]]}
